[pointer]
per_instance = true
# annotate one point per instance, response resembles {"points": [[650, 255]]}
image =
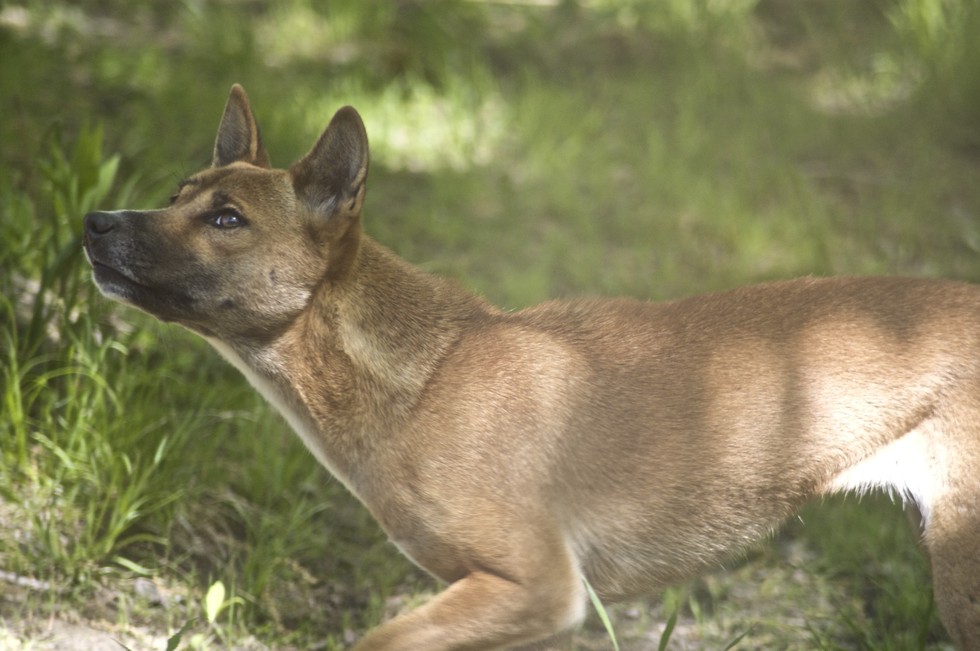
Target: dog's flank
{"points": [[514, 454]]}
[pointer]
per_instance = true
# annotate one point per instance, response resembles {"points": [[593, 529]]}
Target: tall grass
{"points": [[84, 474]]}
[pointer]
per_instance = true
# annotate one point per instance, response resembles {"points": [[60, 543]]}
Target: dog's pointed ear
{"points": [[238, 134], [331, 177]]}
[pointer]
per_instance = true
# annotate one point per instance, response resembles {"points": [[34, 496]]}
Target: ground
{"points": [[769, 601]]}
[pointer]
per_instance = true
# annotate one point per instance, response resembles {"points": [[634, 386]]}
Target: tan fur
{"points": [[513, 455]]}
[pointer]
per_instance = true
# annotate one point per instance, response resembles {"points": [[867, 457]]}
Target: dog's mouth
{"points": [[166, 305], [109, 276], [115, 283]]}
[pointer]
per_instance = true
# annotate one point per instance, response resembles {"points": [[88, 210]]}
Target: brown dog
{"points": [[513, 455]]}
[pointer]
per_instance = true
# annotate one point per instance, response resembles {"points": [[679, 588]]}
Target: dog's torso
{"points": [[617, 419]]}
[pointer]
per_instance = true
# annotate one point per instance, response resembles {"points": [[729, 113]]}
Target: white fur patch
{"points": [[907, 467], [299, 421]]}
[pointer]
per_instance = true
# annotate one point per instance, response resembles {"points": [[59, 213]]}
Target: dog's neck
{"points": [[360, 357]]}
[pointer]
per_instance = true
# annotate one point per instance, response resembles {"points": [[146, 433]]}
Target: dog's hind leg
{"points": [[952, 532], [953, 538]]}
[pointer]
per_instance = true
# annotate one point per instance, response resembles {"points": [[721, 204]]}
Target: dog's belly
{"points": [[629, 552], [620, 565]]}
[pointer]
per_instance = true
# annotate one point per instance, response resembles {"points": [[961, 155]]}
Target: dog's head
{"points": [[242, 247]]}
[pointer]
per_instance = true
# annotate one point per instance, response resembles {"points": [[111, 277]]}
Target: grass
{"points": [[611, 147]]}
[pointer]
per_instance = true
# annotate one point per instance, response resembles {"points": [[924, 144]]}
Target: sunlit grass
{"points": [[414, 127]]}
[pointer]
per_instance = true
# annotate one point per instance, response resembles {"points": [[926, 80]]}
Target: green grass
{"points": [[613, 147]]}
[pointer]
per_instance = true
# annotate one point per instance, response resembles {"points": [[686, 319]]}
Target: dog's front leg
{"points": [[486, 611]]}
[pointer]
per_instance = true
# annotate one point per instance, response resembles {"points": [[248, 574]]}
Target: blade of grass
{"points": [[603, 615], [668, 630]]}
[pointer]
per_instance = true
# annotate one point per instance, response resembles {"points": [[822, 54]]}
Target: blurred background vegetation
{"points": [[528, 148]]}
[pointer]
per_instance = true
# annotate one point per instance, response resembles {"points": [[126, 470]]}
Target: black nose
{"points": [[99, 223]]}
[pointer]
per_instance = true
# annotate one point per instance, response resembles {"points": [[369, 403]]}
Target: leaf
{"points": [[214, 601], [174, 641]]}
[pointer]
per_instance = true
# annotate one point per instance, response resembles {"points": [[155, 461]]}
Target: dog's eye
{"points": [[227, 220]]}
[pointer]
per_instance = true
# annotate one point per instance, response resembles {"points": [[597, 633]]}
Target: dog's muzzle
{"points": [[97, 224]]}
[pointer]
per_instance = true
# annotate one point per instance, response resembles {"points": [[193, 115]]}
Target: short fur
{"points": [[513, 455]]}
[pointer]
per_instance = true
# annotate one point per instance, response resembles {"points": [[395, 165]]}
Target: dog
{"points": [[518, 455]]}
